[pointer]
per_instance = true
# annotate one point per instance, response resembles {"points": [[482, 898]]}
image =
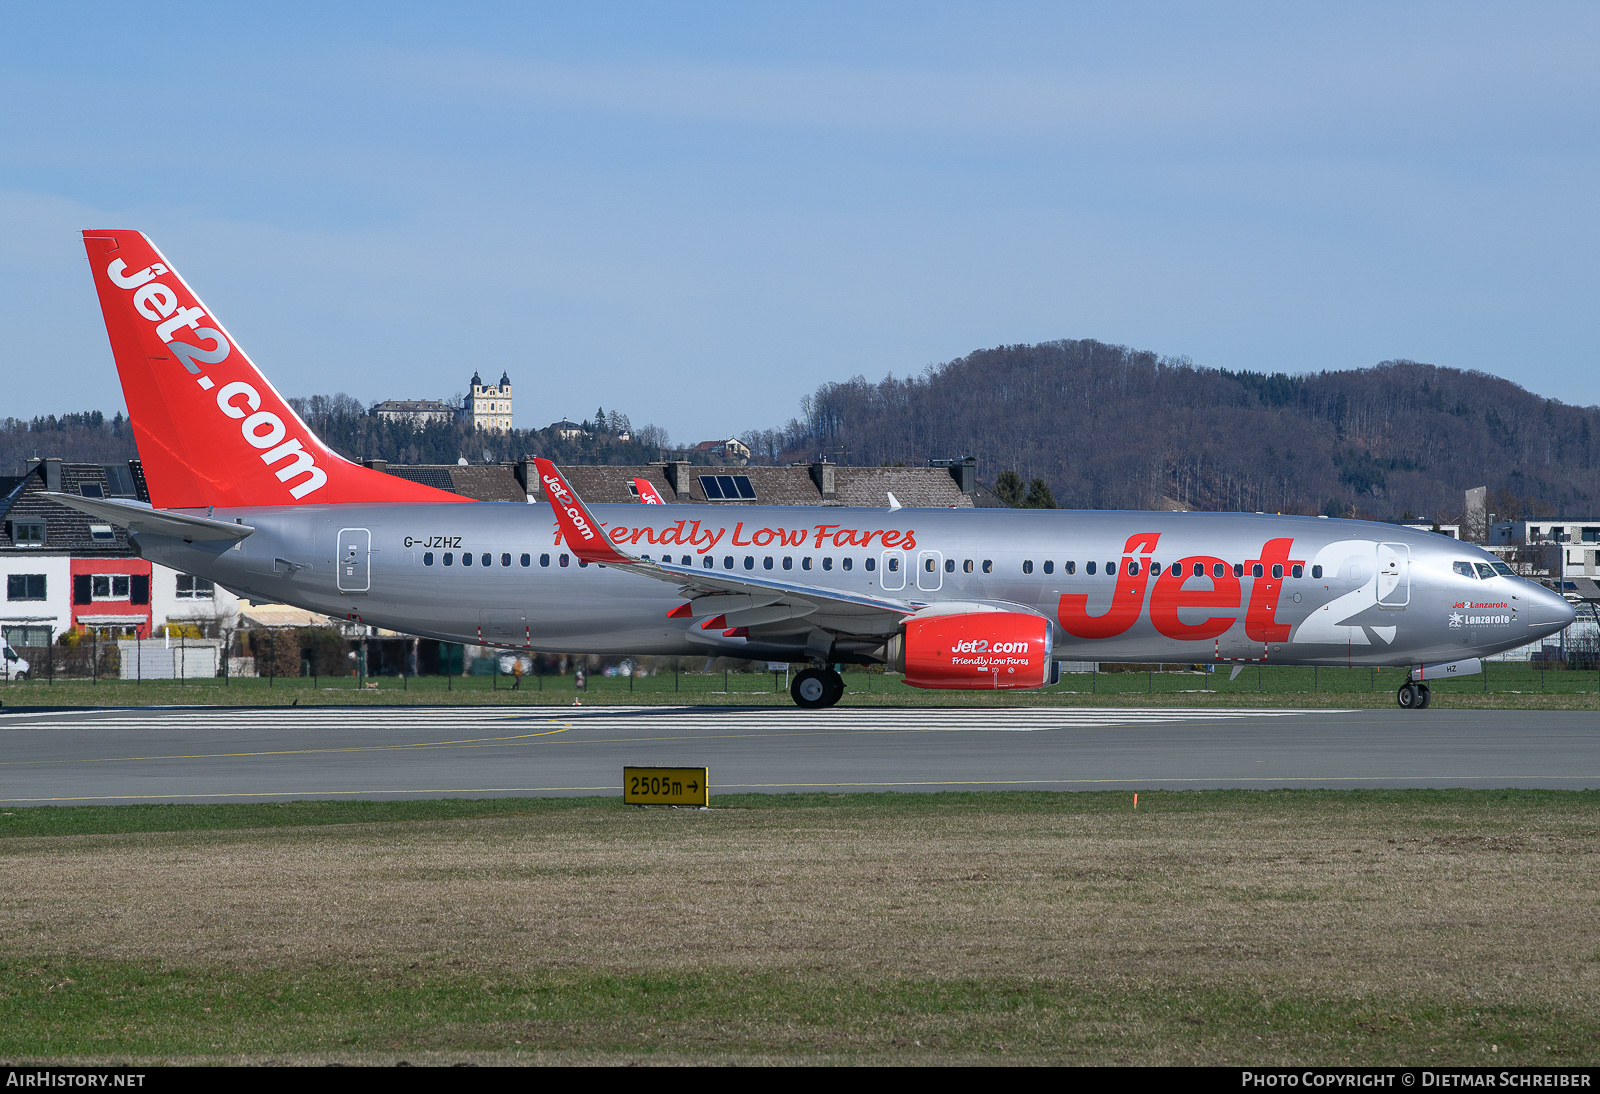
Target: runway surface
{"points": [[278, 754]]}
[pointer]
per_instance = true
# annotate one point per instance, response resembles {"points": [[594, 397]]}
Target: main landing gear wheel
{"points": [[815, 689], [835, 687], [1413, 696]]}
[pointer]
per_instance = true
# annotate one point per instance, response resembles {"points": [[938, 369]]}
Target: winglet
{"points": [[578, 527]]}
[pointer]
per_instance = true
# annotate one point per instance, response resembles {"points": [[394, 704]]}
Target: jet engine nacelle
{"points": [[974, 651]]}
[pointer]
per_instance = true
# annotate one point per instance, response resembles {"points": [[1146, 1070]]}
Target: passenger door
{"points": [[1394, 576], [354, 560]]}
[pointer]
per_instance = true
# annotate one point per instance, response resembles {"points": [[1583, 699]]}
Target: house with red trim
{"points": [[63, 570]]}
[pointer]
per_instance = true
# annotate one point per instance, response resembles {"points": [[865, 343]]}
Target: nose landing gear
{"points": [[1413, 696], [814, 689]]}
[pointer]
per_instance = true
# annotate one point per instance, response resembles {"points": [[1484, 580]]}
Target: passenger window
{"points": [[1089, 568], [1298, 571], [872, 563], [749, 562], [710, 563], [1069, 567], [583, 564], [1485, 571], [1027, 566], [988, 566], [727, 562], [849, 563], [687, 561], [466, 558], [505, 560], [449, 558], [427, 558], [966, 567], [1049, 567], [563, 560], [1316, 572], [487, 561], [1133, 569], [527, 560], [894, 565], [1255, 571], [766, 563], [544, 560], [1463, 568], [805, 563], [1200, 570], [1218, 569], [1277, 571], [950, 565], [1111, 568], [1238, 569], [827, 562], [788, 562]]}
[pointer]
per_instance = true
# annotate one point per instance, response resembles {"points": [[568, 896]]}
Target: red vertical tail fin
{"points": [[211, 430]]}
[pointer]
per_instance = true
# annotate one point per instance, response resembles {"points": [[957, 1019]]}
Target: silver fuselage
{"points": [[1386, 595]]}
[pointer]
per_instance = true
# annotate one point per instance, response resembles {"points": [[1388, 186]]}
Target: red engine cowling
{"points": [[976, 650]]}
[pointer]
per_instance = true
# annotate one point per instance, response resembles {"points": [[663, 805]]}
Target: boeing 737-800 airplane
{"points": [[243, 493]]}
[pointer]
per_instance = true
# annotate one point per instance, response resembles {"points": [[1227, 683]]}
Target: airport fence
{"points": [[688, 682]]}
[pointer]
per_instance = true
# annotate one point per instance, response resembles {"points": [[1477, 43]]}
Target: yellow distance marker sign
{"points": [[665, 786]]}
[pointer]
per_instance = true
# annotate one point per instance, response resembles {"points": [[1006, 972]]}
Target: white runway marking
{"points": [[838, 720]]}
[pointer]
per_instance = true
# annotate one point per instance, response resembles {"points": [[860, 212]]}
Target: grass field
{"points": [[1207, 927], [1503, 686]]}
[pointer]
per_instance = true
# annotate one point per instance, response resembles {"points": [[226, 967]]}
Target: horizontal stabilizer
{"points": [[138, 517]]}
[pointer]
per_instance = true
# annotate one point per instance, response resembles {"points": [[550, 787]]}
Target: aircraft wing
{"points": [[729, 602], [139, 517]]}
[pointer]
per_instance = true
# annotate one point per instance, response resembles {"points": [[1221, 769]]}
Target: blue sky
{"points": [[697, 213]]}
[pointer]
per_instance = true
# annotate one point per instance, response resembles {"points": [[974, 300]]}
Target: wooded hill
{"points": [[353, 431], [1102, 426], [1107, 427], [76, 438], [356, 433]]}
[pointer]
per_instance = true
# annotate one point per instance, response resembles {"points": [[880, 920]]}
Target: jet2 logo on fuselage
{"points": [[1135, 575]]}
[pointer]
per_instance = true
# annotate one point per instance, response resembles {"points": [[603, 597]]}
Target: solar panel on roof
{"points": [[727, 487]]}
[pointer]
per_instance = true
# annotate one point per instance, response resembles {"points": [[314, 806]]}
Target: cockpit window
{"points": [[1462, 568], [1503, 570], [1485, 571]]}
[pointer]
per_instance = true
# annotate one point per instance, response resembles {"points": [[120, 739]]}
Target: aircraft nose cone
{"points": [[1549, 612]]}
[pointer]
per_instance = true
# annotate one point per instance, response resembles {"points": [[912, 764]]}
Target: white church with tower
{"points": [[489, 406]]}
